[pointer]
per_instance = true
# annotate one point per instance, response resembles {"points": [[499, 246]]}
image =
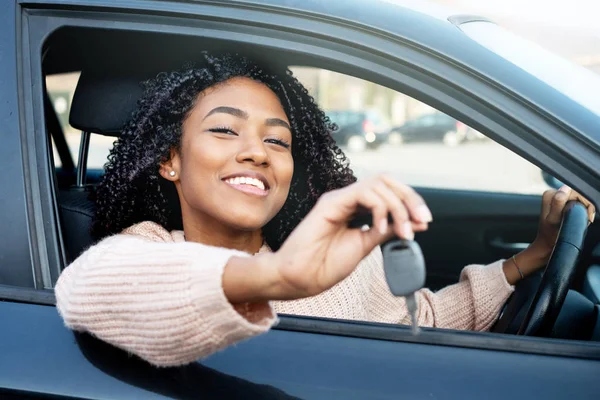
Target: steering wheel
{"points": [[543, 307]]}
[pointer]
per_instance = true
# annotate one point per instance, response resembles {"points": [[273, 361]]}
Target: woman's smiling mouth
{"points": [[252, 185]]}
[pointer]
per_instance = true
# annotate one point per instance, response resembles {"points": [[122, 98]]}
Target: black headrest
{"points": [[103, 102]]}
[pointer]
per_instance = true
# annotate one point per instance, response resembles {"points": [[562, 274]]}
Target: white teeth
{"points": [[246, 181]]}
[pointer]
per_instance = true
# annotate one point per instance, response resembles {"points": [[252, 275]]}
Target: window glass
{"points": [[384, 131]]}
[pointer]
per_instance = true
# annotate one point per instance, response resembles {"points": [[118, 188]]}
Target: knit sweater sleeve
{"points": [[471, 304], [163, 302]]}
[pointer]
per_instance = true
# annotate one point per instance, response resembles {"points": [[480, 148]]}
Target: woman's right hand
{"points": [[323, 250]]}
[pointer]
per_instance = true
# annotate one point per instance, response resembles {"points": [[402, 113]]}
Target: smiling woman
{"points": [[227, 115], [241, 146], [265, 197]]}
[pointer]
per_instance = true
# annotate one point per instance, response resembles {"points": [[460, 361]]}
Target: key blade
{"points": [[413, 307]]}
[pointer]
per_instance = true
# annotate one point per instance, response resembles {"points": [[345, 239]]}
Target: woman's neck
{"points": [[219, 235]]}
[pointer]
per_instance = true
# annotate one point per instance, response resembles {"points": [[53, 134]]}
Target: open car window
{"points": [[461, 173], [381, 130], [384, 131]]}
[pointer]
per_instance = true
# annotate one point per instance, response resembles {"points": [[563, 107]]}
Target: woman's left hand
{"points": [[553, 205], [538, 253]]}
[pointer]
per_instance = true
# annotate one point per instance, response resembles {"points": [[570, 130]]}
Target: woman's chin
{"points": [[248, 224]]}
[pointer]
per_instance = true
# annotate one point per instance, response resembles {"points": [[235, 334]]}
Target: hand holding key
{"points": [[323, 249]]}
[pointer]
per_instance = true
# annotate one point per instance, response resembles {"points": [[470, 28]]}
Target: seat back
{"points": [[76, 212], [102, 104]]}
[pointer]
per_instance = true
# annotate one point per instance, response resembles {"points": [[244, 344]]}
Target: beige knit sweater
{"points": [[153, 294]]}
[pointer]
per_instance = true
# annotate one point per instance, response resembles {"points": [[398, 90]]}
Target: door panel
{"points": [[39, 355], [470, 227]]}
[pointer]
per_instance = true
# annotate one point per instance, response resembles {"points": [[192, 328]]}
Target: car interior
{"points": [[112, 65]]}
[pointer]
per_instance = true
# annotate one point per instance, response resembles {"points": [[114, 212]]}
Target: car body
{"points": [[404, 45], [358, 130], [434, 127]]}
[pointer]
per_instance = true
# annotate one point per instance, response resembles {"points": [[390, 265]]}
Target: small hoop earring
{"points": [[172, 173]]}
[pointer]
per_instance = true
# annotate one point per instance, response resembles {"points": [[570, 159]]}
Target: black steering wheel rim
{"points": [[558, 275]]}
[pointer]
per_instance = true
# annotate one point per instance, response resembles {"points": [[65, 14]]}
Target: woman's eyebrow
{"points": [[277, 122], [236, 112]]}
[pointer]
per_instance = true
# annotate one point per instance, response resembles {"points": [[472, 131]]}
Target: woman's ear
{"points": [[170, 169]]}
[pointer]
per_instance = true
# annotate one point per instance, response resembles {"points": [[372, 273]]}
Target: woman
{"points": [[252, 160]]}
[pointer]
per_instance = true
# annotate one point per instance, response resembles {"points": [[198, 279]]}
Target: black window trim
{"points": [[495, 113]]}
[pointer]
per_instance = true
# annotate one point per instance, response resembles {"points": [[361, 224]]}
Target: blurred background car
{"points": [[359, 130], [433, 127]]}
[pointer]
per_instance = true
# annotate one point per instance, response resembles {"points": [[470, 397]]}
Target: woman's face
{"points": [[235, 164]]}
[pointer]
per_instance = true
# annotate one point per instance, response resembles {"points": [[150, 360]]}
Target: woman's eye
{"points": [[224, 130], [279, 142]]}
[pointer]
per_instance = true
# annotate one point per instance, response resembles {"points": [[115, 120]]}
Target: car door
{"points": [[304, 357]]}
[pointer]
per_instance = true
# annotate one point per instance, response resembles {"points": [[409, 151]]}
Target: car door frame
{"points": [[513, 118], [400, 63], [14, 248]]}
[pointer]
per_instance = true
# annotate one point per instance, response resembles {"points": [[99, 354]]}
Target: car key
{"points": [[404, 268], [403, 264]]}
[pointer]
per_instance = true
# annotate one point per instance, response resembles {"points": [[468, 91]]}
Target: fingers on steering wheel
{"points": [[557, 205], [588, 204], [547, 202], [554, 202]]}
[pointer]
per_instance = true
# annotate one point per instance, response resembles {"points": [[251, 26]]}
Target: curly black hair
{"points": [[132, 189]]}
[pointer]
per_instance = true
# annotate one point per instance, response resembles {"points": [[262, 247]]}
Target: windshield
{"points": [[578, 83]]}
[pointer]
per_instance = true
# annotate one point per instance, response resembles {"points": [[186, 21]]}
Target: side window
{"points": [[386, 131], [380, 130]]}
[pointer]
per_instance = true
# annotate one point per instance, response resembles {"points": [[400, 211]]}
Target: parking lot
{"points": [[483, 165]]}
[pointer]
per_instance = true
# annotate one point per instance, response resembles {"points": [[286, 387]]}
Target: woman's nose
{"points": [[253, 150]]}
